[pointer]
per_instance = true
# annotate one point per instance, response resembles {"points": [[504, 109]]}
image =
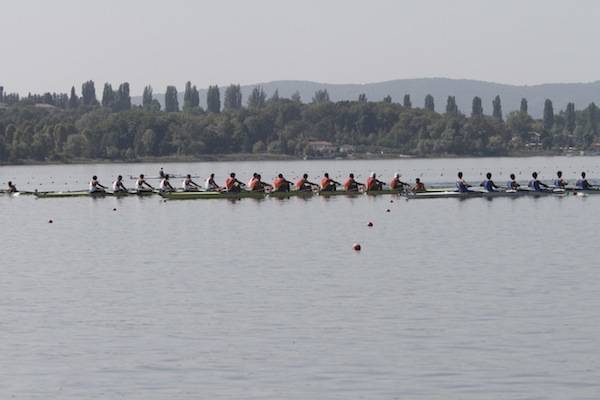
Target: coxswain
{"points": [[118, 186], [536, 185], [583, 183], [210, 185], [513, 184], [280, 184], [258, 185], [12, 188], [419, 186], [141, 185], [188, 185], [461, 185], [559, 182], [328, 184], [351, 185], [373, 183], [165, 185], [304, 185], [396, 183], [232, 184], [95, 186], [488, 184]]}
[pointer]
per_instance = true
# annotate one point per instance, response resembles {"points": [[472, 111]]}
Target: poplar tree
{"points": [[497, 108], [213, 99], [321, 96], [171, 101], [233, 98], [147, 96], [570, 117], [429, 103], [257, 98], [88, 94], [73, 99], [476, 108], [406, 101], [451, 107], [548, 115], [523, 108], [108, 96]]}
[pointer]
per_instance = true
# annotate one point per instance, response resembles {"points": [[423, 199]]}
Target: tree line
{"points": [[66, 127]]}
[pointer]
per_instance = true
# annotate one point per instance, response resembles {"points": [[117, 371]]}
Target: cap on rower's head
{"points": [[488, 175], [94, 177], [167, 176], [534, 175], [396, 175], [305, 176], [212, 175], [254, 174], [351, 175], [280, 176], [9, 183], [373, 175], [142, 176], [460, 174], [120, 177], [559, 173], [326, 174], [583, 174], [189, 176], [418, 180], [258, 176], [512, 176], [232, 174]]}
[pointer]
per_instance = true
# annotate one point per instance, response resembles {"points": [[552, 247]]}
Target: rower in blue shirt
{"points": [[461, 185], [536, 185], [488, 184], [512, 184], [559, 182], [583, 183]]}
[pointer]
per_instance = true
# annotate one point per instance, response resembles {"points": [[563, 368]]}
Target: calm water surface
{"points": [[449, 299]]}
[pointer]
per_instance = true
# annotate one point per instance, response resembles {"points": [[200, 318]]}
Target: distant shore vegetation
{"points": [[67, 127]]}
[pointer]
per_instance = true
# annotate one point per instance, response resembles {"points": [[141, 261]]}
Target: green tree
{"points": [[451, 107], [233, 98], [257, 98], [476, 108], [191, 98], [321, 96], [88, 94], [497, 108], [571, 117], [548, 115], [362, 98], [275, 96], [122, 98], [406, 101], [108, 96], [387, 99], [73, 99], [296, 98], [429, 103], [171, 101], [523, 108], [213, 99], [147, 97]]}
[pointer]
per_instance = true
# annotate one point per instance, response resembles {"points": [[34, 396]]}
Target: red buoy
{"points": [[356, 247]]}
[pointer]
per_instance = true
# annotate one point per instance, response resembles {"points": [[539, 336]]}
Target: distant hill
{"points": [[463, 89]]}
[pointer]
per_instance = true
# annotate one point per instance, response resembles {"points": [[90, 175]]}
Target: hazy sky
{"points": [[51, 45]]}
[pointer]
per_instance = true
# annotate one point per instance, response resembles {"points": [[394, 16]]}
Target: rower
{"points": [[559, 182], [188, 185], [328, 184], [165, 185], [351, 185], [258, 185], [95, 186], [251, 181], [304, 185], [583, 183], [488, 184], [419, 186], [461, 185], [232, 184], [141, 185], [373, 183], [161, 173], [512, 184], [11, 188], [396, 183], [536, 185], [210, 185], [118, 186]]}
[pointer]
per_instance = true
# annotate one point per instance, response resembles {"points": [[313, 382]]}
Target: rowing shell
{"points": [[85, 193], [479, 194], [260, 195]]}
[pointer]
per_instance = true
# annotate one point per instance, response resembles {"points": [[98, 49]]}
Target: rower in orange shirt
{"points": [[351, 185], [280, 184], [396, 183], [419, 186], [373, 183], [328, 184], [232, 184], [304, 185], [258, 185]]}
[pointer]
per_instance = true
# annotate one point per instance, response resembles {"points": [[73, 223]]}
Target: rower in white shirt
{"points": [[188, 185], [210, 185], [141, 185], [118, 186], [165, 185]]}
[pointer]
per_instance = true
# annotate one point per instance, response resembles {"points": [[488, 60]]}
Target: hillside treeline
{"points": [[67, 127]]}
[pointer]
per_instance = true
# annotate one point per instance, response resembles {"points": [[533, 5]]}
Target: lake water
{"points": [[448, 299]]}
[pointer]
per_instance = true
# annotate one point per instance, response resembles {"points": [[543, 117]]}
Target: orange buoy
{"points": [[356, 247]]}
